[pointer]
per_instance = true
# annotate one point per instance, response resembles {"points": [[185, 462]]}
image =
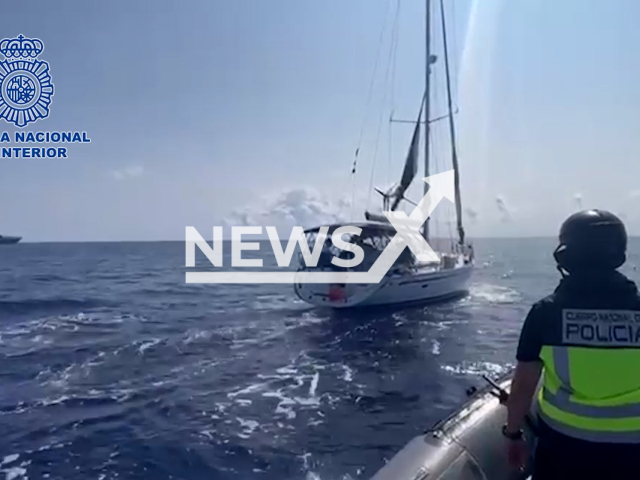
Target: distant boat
{"points": [[9, 240]]}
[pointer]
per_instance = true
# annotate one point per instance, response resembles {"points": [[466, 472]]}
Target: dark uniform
{"points": [[587, 335]]}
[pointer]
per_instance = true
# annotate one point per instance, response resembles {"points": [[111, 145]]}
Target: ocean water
{"points": [[113, 368]]}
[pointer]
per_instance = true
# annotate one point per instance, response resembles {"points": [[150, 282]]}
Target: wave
{"points": [[477, 368], [50, 305], [51, 278]]}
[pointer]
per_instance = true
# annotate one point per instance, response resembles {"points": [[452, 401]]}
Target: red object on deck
{"points": [[336, 293]]}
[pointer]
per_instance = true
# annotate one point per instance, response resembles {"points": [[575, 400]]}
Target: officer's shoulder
{"points": [[544, 305]]}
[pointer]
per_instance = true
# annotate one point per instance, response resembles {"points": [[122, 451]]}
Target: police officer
{"points": [[585, 341]]}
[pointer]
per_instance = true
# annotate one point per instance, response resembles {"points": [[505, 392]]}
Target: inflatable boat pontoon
{"points": [[466, 446]]}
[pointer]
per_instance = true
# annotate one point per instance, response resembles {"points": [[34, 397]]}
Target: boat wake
{"points": [[494, 294]]}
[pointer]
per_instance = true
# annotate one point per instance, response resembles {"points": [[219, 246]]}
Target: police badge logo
{"points": [[25, 83]]}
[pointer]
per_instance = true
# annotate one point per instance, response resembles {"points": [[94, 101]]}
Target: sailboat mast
{"points": [[427, 109], [452, 129]]}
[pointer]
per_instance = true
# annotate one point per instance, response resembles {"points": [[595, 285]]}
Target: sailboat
{"points": [[409, 280]]}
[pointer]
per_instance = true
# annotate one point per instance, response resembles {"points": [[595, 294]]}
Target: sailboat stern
{"points": [[335, 295]]}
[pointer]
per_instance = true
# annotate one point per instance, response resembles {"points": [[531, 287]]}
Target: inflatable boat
{"points": [[468, 445]]}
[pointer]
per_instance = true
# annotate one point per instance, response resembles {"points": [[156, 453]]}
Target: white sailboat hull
{"points": [[420, 286]]}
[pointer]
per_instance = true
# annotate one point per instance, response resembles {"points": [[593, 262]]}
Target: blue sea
{"points": [[112, 367]]}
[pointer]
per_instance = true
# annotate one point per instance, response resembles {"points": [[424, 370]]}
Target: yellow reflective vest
{"points": [[591, 383]]}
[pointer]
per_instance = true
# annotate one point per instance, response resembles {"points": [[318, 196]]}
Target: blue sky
{"points": [[198, 109]]}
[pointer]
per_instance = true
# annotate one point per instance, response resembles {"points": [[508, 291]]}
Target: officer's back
{"points": [[586, 335]]}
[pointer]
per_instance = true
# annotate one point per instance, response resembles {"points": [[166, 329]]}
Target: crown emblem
{"points": [[21, 48], [25, 83]]}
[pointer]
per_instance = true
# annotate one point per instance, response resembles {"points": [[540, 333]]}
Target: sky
{"points": [[221, 112]]}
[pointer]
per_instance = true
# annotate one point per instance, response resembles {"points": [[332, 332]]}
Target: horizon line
{"points": [[530, 237]]}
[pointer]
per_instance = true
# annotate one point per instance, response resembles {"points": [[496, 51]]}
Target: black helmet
{"points": [[591, 240]]}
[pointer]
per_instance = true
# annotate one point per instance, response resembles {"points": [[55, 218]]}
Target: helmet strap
{"points": [[562, 271]]}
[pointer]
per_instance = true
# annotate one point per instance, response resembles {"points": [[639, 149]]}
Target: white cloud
{"points": [[132, 171], [300, 206]]}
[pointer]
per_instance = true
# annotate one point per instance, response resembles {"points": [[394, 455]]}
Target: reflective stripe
{"points": [[589, 435], [561, 364], [561, 400]]}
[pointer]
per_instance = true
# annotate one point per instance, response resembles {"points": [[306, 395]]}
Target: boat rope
{"points": [[435, 144], [393, 95], [456, 52], [439, 149], [455, 72], [382, 110], [367, 105], [434, 148]]}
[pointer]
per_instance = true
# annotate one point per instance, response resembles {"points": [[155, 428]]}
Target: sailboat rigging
{"points": [[396, 193], [408, 280], [452, 130], [429, 60]]}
